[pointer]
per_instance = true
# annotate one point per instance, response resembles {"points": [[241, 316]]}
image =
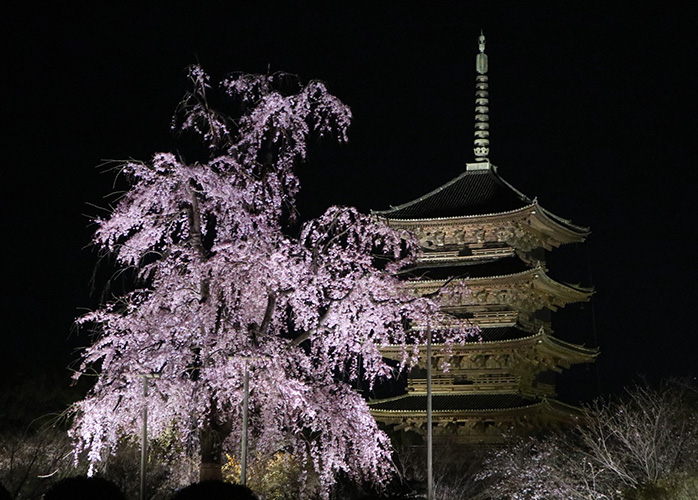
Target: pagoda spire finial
{"points": [[482, 127]]}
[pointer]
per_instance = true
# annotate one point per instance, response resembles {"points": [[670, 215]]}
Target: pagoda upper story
{"points": [[482, 211], [480, 229]]}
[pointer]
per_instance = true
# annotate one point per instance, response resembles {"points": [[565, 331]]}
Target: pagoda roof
{"points": [[477, 192], [452, 405], [417, 403], [500, 334], [535, 279], [507, 336], [510, 337], [506, 265], [474, 192]]}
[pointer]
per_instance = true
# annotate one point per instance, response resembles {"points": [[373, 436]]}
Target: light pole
{"points": [[245, 408], [144, 431], [430, 477], [245, 418]]}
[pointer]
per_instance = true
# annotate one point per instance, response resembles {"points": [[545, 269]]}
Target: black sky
{"points": [[592, 110]]}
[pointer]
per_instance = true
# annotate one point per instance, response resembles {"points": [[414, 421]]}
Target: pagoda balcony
{"points": [[503, 383], [473, 255]]}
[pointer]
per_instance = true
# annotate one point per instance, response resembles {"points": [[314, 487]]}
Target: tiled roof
{"points": [[474, 192], [502, 333], [497, 267], [453, 402]]}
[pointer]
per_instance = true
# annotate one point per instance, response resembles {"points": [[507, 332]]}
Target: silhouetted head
{"points": [[84, 488], [4, 494], [215, 490]]}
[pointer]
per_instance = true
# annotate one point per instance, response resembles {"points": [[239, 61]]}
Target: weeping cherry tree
{"points": [[224, 285]]}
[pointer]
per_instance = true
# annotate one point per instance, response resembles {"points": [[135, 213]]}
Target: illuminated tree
{"points": [[223, 285], [30, 459], [643, 446]]}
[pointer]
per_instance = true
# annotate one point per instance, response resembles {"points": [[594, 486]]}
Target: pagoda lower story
{"points": [[476, 419], [493, 389]]}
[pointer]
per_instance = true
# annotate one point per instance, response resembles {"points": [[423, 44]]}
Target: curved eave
{"points": [[551, 406], [485, 344], [588, 354], [549, 285], [559, 221], [506, 215], [565, 350], [550, 223], [446, 411], [537, 218], [556, 227], [563, 408], [537, 276]]}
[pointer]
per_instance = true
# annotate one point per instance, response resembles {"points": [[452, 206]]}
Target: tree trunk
{"points": [[211, 455], [210, 472]]}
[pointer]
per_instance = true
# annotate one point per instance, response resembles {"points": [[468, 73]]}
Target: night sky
{"points": [[592, 109]]}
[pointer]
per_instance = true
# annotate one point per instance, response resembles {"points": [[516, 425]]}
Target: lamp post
{"points": [[245, 418], [430, 477], [245, 408], [144, 431]]}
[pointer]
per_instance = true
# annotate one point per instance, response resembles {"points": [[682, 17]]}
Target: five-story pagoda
{"points": [[479, 228]]}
